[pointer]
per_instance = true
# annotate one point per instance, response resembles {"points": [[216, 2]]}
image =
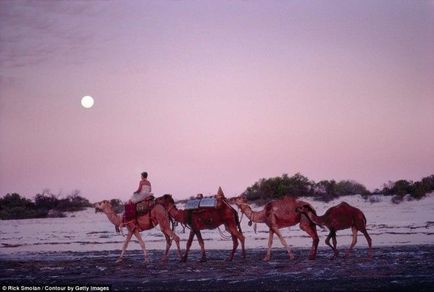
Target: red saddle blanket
{"points": [[133, 210], [130, 211]]}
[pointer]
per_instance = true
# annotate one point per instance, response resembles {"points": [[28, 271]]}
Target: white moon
{"points": [[87, 101]]}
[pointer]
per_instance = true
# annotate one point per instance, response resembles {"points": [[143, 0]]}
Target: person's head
{"points": [[144, 174]]}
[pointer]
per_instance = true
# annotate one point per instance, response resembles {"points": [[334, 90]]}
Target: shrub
{"points": [[13, 206]]}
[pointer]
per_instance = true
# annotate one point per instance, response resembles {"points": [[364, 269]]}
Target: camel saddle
{"points": [[132, 211], [207, 202], [145, 206]]}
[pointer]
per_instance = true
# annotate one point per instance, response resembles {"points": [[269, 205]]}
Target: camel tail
{"points": [[364, 219], [172, 223], [237, 219]]}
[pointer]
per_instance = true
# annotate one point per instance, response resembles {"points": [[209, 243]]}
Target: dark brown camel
{"points": [[206, 218], [342, 216], [278, 214]]}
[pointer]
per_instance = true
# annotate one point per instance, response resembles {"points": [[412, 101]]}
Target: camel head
{"points": [[101, 206], [305, 209], [104, 206], [240, 200]]}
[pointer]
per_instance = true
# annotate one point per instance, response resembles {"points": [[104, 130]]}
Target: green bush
{"points": [[298, 185], [402, 187]]}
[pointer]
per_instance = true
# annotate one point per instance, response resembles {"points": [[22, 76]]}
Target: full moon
{"points": [[87, 101]]}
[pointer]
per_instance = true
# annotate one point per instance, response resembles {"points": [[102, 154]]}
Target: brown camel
{"points": [[276, 215], [340, 217], [156, 216], [207, 218]]}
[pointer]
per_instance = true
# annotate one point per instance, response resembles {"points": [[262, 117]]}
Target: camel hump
{"points": [[341, 207], [345, 205], [348, 208], [220, 193]]}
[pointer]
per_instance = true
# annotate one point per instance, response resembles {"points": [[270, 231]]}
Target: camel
{"points": [[339, 217], [207, 218], [278, 214], [156, 216]]}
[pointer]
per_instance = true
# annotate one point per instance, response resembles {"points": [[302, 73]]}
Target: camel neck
{"points": [[112, 216], [178, 215], [256, 217], [319, 220]]}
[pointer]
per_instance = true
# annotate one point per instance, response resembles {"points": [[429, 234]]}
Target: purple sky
{"points": [[209, 93]]}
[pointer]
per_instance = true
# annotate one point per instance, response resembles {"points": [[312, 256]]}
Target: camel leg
{"points": [[243, 249], [242, 240], [178, 248], [270, 243], [237, 235], [172, 236], [142, 244], [234, 247], [369, 240], [327, 241], [168, 244], [187, 248], [311, 230], [361, 226], [353, 243], [202, 246], [335, 243], [283, 241], [164, 222], [124, 247]]}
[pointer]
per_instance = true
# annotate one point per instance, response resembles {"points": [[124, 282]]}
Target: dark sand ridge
{"points": [[392, 268]]}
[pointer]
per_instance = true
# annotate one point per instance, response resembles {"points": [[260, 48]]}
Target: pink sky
{"points": [[209, 93]]}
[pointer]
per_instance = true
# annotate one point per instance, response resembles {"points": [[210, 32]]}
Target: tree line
{"points": [[45, 204], [299, 185]]}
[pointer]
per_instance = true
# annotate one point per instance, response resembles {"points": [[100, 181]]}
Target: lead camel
{"points": [[156, 216]]}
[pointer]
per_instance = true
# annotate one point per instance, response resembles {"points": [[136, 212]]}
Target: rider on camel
{"points": [[144, 190], [142, 193]]}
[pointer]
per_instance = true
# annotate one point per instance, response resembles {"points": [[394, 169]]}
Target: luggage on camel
{"points": [[207, 202]]}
